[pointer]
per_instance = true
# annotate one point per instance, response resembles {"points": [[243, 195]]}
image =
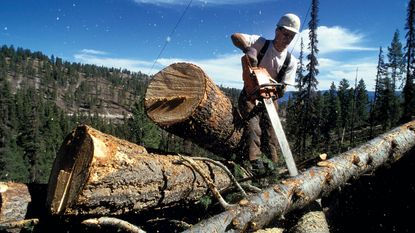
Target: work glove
{"points": [[252, 54]]}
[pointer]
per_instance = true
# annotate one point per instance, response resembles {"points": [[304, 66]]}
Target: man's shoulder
{"points": [[254, 39]]}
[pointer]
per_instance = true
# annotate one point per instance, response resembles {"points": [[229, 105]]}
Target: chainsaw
{"points": [[263, 87]]}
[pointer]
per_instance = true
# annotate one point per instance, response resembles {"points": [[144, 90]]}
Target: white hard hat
{"points": [[290, 22]]}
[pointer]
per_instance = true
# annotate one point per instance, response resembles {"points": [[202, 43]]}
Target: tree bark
{"points": [[95, 173], [317, 181], [14, 199], [183, 100]]}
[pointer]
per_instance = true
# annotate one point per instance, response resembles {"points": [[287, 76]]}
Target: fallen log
{"points": [[183, 100], [98, 174], [14, 199], [315, 182]]}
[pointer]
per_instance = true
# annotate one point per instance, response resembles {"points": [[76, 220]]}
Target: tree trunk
{"points": [[318, 181], [14, 199], [183, 100], [95, 173]]}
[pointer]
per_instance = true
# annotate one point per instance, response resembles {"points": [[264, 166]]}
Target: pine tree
{"points": [[308, 86], [396, 67], [345, 95], [294, 107], [409, 86], [385, 104], [143, 131], [362, 102], [332, 118], [375, 115], [396, 60]]}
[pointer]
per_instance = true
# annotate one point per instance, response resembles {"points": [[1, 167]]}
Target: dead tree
{"points": [[183, 100], [315, 182], [98, 174]]}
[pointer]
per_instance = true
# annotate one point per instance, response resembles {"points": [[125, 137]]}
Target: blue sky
{"points": [[131, 33]]}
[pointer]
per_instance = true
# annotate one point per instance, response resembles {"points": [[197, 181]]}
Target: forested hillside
{"points": [[43, 99]]}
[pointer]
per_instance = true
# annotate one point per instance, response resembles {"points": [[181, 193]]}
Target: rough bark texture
{"points": [[183, 100], [95, 173], [14, 199], [299, 191]]}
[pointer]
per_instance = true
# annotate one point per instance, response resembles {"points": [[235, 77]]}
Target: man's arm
{"points": [[239, 41]]}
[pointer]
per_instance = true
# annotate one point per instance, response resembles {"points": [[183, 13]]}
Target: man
{"points": [[274, 57]]}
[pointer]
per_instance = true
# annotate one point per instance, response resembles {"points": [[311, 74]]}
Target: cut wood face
{"points": [[174, 93]]}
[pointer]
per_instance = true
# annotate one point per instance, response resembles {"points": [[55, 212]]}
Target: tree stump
{"points": [[183, 100], [98, 174]]}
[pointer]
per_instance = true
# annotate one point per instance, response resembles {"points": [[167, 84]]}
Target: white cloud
{"points": [[92, 58], [334, 71], [335, 39], [93, 51], [226, 69]]}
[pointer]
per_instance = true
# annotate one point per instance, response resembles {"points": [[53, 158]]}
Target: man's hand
{"points": [[252, 53]]}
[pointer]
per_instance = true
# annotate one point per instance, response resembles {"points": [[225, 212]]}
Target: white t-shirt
{"points": [[273, 60]]}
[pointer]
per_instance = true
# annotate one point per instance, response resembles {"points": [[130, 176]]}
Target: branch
{"points": [[208, 181], [219, 164], [114, 222]]}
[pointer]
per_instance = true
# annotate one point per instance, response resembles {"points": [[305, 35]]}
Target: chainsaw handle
{"points": [[271, 85]]}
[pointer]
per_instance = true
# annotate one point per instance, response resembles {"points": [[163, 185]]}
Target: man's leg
{"points": [[269, 139], [252, 134]]}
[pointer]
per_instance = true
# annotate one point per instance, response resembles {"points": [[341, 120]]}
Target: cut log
{"points": [[95, 173], [183, 100], [318, 181], [14, 199]]}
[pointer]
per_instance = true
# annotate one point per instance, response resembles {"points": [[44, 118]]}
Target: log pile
{"points": [[97, 174], [111, 186]]}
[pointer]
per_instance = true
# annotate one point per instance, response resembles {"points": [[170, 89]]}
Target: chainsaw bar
{"points": [[263, 80]]}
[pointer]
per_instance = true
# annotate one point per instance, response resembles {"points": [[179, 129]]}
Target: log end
{"points": [[14, 199], [174, 93], [70, 169], [82, 152]]}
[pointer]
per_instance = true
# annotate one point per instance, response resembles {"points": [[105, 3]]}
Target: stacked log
{"points": [[183, 100], [315, 182], [14, 199], [98, 174]]}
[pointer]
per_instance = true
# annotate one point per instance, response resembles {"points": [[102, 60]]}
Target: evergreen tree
{"points": [[385, 104], [396, 60], [143, 131], [362, 101], [29, 135], [308, 86], [331, 116], [294, 108], [396, 68], [375, 115], [409, 86], [345, 94]]}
